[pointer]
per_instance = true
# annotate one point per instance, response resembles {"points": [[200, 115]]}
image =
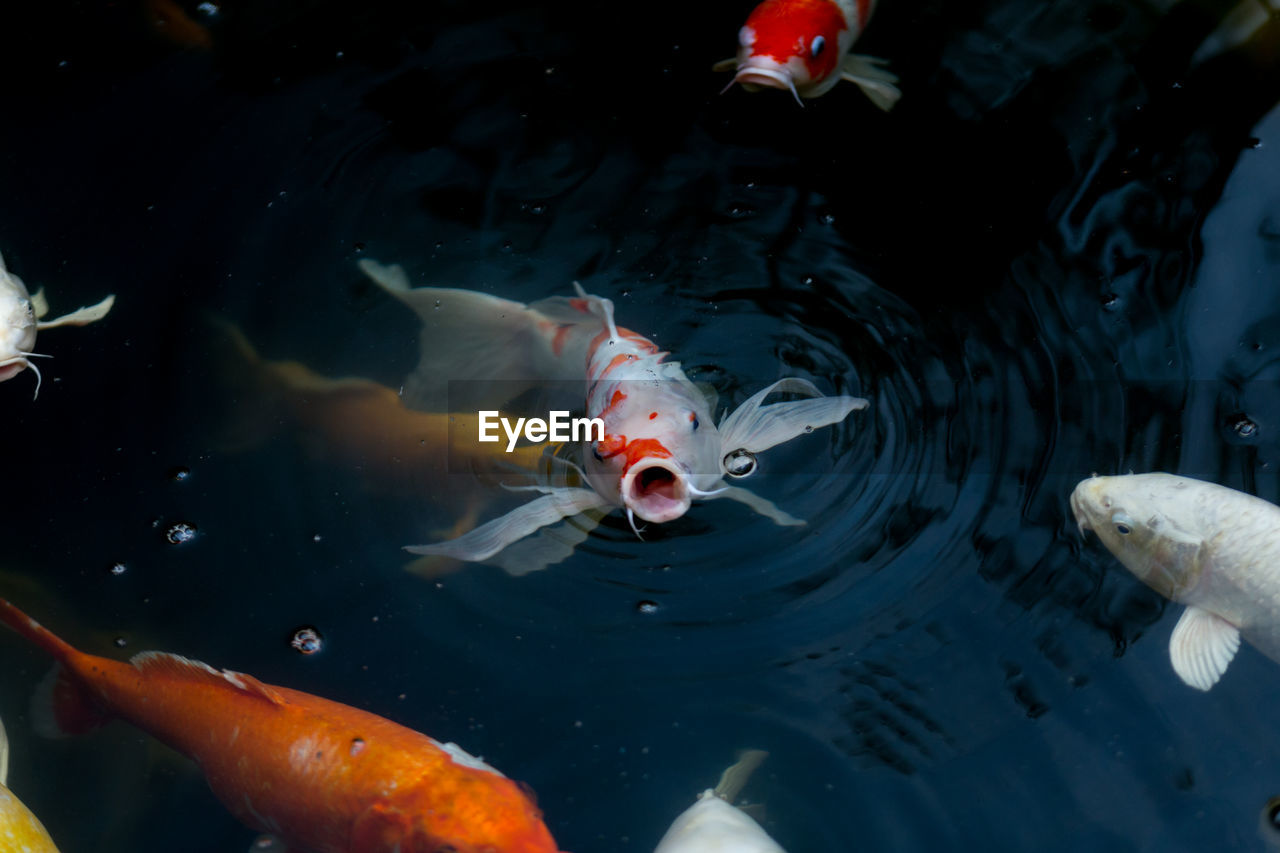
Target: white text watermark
{"points": [[557, 427]]}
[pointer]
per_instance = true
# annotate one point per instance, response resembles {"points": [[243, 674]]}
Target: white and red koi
{"points": [[321, 776], [20, 315], [803, 46], [661, 448]]}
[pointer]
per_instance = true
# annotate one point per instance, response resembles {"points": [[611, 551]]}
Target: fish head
{"points": [[794, 45], [660, 449], [17, 326], [1149, 522]]}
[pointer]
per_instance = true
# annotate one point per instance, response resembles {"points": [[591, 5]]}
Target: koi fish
{"points": [[661, 447], [713, 823], [360, 425], [321, 776], [20, 830], [1209, 547], [20, 315], [803, 46]]}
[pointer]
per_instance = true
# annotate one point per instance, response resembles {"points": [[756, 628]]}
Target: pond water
{"points": [[1057, 256]]}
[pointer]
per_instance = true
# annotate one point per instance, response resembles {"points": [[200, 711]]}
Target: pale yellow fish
{"points": [[1209, 547], [20, 830], [20, 315], [713, 825]]}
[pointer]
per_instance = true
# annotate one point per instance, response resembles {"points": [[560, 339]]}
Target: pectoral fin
{"points": [[726, 64], [755, 427], [490, 538], [1202, 646], [79, 317], [876, 83]]}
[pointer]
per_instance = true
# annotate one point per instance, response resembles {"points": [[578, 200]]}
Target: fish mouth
{"points": [[771, 75], [1082, 501], [656, 490]]}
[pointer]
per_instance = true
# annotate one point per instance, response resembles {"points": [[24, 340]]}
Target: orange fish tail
{"points": [[35, 632], [62, 705]]}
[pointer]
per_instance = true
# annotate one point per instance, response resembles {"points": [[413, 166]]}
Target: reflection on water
{"points": [[1053, 258]]}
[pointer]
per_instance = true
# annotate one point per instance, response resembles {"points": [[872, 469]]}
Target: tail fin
{"points": [[468, 336], [735, 778], [35, 632], [61, 704]]}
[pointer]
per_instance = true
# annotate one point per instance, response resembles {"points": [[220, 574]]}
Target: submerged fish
{"points": [[321, 776], [803, 46], [20, 830], [713, 824], [20, 315], [360, 425], [661, 447], [1211, 548]]}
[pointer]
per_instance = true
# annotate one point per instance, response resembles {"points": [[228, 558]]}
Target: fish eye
{"points": [[816, 46], [740, 463], [596, 454], [694, 420], [1123, 523]]}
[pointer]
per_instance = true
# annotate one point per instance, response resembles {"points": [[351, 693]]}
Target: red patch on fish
{"points": [[786, 28], [559, 338], [645, 448], [611, 445]]}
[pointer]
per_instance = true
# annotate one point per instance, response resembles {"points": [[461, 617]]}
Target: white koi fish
{"points": [[661, 447], [20, 315], [803, 46], [20, 830], [714, 824], [1211, 548]]}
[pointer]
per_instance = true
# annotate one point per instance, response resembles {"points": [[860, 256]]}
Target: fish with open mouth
{"points": [[802, 46], [1212, 548], [661, 447]]}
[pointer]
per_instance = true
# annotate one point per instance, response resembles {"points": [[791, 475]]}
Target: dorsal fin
{"points": [[735, 777], [176, 666]]}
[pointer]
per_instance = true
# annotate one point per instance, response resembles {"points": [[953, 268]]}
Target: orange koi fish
{"points": [[321, 776], [359, 425], [803, 46], [661, 446]]}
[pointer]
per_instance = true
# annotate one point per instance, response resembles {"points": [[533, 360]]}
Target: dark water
{"points": [[1057, 256]]}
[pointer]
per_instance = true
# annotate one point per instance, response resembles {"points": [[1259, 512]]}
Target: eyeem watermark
{"points": [[558, 427]]}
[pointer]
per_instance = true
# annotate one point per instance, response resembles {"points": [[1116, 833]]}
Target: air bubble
{"points": [[179, 474], [120, 642], [117, 568], [740, 463], [306, 640], [179, 533], [646, 607], [1244, 426]]}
